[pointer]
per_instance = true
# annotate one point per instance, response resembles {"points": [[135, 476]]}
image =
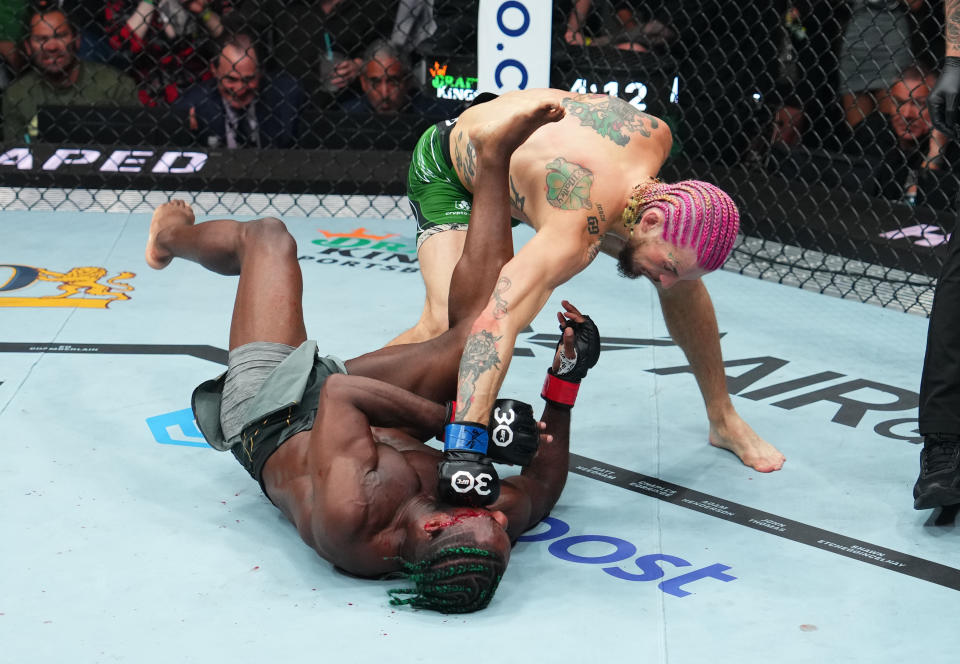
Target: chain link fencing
{"points": [[811, 114]]}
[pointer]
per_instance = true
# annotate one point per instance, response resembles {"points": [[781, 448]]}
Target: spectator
{"points": [[84, 15], [169, 42], [322, 43], [726, 54], [804, 103], [789, 120], [414, 23], [875, 48], [455, 33], [899, 136], [241, 106], [59, 76], [11, 31], [631, 26], [388, 86]]}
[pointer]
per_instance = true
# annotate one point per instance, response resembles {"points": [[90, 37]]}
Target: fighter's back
{"points": [[590, 160]]}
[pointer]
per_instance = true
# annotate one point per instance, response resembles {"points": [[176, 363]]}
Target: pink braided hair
{"points": [[696, 213]]}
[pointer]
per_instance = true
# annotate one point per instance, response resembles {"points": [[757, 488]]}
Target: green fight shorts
{"points": [[438, 199]]}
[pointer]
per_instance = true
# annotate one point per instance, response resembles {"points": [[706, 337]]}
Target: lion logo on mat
{"points": [[84, 287]]}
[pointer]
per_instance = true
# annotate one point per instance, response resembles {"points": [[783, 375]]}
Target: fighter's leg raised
{"points": [[268, 305], [430, 368]]}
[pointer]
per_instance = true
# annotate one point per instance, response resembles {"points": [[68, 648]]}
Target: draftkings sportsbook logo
{"points": [[449, 86], [365, 251], [84, 287]]}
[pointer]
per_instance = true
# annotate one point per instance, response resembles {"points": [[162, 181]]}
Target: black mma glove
{"points": [[943, 99], [465, 475], [513, 432], [561, 386]]}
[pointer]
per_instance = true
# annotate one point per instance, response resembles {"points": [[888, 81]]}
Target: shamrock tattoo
{"points": [[568, 185]]}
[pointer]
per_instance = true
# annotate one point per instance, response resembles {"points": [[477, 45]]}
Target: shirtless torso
{"points": [[571, 181], [362, 537], [585, 165], [363, 495]]}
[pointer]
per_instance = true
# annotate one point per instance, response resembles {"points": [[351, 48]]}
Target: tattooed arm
{"points": [[951, 29], [943, 99], [550, 258]]}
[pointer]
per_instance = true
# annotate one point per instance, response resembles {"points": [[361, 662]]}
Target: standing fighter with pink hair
{"points": [[586, 184]]}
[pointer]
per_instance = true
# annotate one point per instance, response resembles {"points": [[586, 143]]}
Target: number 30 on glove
{"points": [[465, 474]]}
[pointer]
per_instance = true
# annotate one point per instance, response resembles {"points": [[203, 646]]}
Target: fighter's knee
{"points": [[273, 233], [271, 226]]}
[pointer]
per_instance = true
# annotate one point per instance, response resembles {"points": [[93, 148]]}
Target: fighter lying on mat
{"points": [[585, 184], [337, 446]]}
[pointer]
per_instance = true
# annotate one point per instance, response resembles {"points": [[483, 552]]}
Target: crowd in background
{"points": [[761, 80], [241, 73]]}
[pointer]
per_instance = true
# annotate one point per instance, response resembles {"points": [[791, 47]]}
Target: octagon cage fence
{"points": [[811, 114]]}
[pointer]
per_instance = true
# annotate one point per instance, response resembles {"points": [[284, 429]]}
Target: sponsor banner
{"points": [[452, 81], [650, 565], [79, 287], [513, 45], [365, 172], [106, 160], [177, 428]]}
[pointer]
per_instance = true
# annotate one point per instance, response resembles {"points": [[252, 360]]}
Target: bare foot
{"points": [[168, 215], [737, 436], [499, 138]]}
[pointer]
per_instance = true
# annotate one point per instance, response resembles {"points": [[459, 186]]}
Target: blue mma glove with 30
{"points": [[465, 475]]}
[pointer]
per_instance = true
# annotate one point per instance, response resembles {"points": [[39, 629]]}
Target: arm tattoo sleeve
{"points": [[952, 28], [479, 355]]}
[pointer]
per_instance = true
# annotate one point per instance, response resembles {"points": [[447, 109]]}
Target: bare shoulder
{"points": [[614, 119]]}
